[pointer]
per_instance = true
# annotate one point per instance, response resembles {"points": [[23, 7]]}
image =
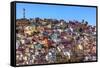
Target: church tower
{"points": [[23, 13]]}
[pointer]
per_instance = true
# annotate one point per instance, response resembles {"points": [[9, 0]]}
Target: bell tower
{"points": [[23, 13]]}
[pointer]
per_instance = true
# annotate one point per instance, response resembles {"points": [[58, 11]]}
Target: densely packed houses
{"points": [[44, 41]]}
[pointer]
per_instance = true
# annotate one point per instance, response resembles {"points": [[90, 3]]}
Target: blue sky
{"points": [[57, 12]]}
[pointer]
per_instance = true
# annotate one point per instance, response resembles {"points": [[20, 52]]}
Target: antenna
{"points": [[23, 13]]}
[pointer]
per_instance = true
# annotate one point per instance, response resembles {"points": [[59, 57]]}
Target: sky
{"points": [[56, 12]]}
